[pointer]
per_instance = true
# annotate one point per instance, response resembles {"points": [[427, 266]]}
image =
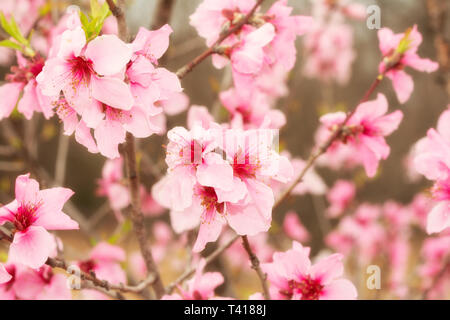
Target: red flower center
{"points": [[309, 288], [81, 69], [245, 168], [25, 216], [87, 265], [29, 71]]}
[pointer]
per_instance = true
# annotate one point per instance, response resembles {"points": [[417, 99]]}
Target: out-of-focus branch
{"points": [[438, 11], [162, 13], [133, 175], [256, 265], [183, 71]]}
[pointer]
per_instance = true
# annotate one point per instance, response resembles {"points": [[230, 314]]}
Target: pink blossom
{"points": [[250, 111], [23, 79], [4, 275], [104, 260], [32, 213], [433, 161], [292, 276], [362, 231], [340, 197], [34, 284], [330, 52], [211, 16], [400, 51], [293, 227], [200, 287], [365, 131]]}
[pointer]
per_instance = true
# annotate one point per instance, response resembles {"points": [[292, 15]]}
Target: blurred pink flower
{"points": [[365, 130], [294, 229], [292, 276], [340, 197], [400, 51], [200, 287]]}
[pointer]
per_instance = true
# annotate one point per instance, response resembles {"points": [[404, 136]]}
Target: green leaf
{"points": [[10, 44]]}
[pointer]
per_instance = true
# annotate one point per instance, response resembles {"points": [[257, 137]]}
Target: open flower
{"points": [[34, 284], [400, 51], [365, 131], [32, 213], [200, 287], [292, 276]]}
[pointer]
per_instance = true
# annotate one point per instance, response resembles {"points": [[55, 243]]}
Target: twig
{"points": [[256, 265], [438, 13], [183, 71], [133, 176]]}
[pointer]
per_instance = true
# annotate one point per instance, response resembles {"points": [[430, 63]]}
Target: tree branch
{"points": [[256, 265]]}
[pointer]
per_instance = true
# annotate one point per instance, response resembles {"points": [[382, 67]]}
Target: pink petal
{"points": [[31, 247], [50, 215], [29, 102], [4, 275], [340, 289], [215, 172], [154, 42], [208, 232], [27, 190], [439, 218], [107, 252], [420, 64], [10, 94], [83, 136], [109, 54], [403, 84], [328, 269], [109, 134], [112, 92]]}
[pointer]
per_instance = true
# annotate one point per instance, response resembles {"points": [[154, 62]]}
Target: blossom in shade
{"points": [[433, 161], [294, 228], [340, 197], [200, 287], [292, 276], [32, 213]]}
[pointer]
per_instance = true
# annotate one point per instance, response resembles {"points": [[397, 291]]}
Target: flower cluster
{"points": [[219, 176]]}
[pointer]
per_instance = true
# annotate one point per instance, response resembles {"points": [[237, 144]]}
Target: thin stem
{"points": [[256, 265], [324, 147], [183, 71]]}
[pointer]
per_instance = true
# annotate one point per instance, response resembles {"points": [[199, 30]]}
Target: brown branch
{"points": [[257, 267], [438, 11], [183, 71]]}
